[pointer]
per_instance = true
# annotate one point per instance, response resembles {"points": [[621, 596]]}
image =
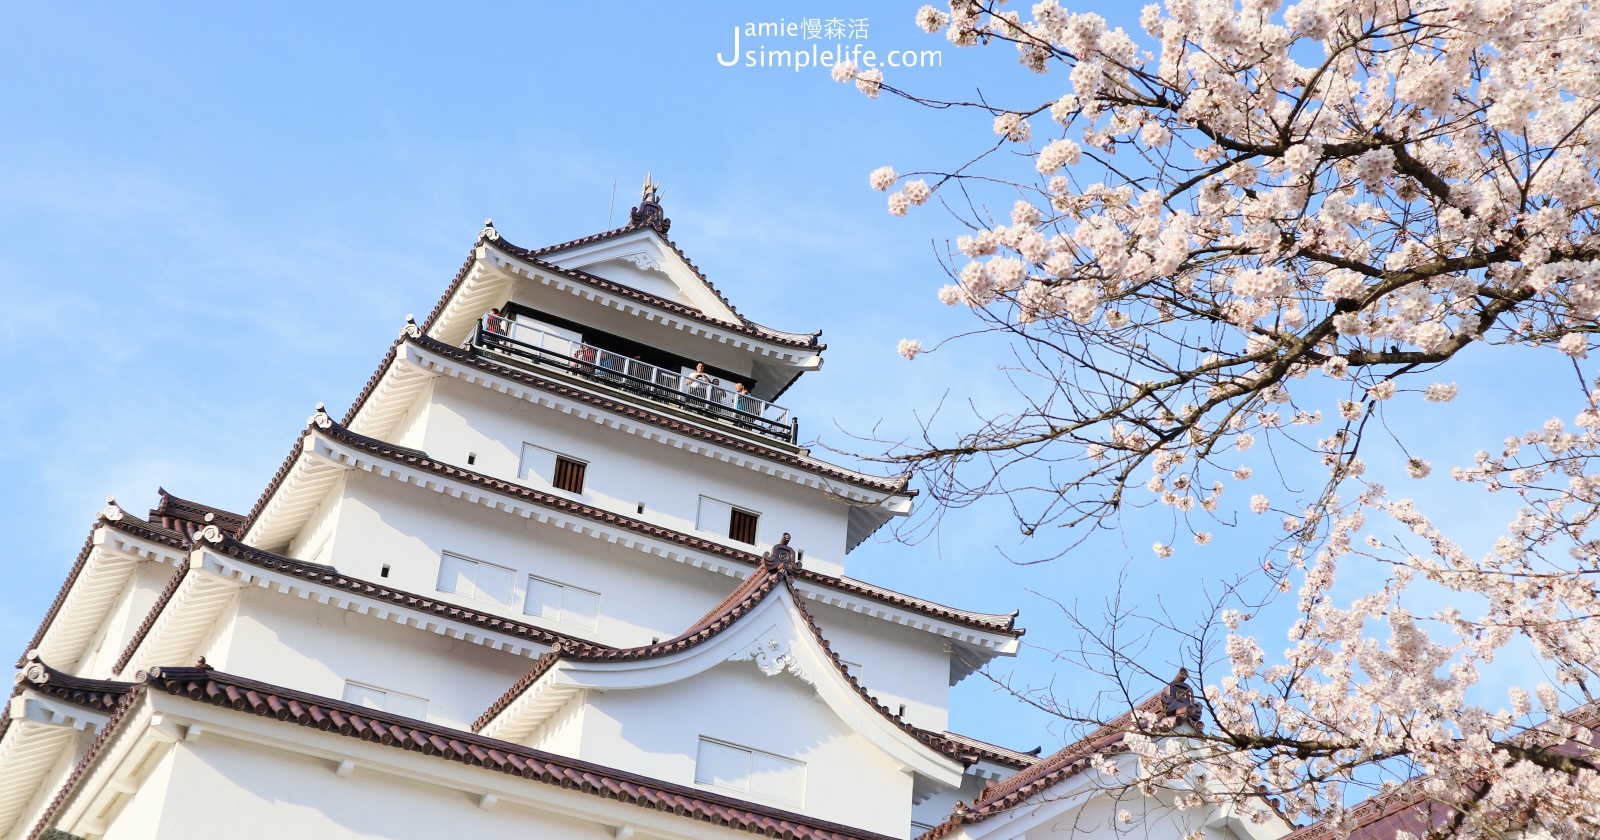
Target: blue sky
{"points": [[212, 218]]}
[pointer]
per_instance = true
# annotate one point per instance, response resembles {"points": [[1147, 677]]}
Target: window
{"points": [[560, 602], [373, 697], [569, 474], [475, 579], [559, 471], [742, 526], [744, 770], [726, 520]]}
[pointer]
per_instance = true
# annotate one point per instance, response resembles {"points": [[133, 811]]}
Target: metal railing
{"points": [[692, 393]]}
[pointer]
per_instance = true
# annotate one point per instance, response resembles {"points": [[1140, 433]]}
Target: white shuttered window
{"points": [[750, 771]]}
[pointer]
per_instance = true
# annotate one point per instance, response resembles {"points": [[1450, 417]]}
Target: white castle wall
{"points": [[657, 731], [625, 470]]}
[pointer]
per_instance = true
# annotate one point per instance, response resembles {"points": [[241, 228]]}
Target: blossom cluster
{"points": [[1242, 199]]}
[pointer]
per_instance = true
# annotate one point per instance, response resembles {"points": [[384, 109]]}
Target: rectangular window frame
{"points": [[477, 589], [388, 695], [542, 466], [704, 777], [564, 614], [569, 475], [735, 525]]}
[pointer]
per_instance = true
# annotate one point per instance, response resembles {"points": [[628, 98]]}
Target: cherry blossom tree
{"points": [[1251, 225]]}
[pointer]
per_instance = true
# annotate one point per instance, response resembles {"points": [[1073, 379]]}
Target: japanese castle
{"points": [[562, 570]]}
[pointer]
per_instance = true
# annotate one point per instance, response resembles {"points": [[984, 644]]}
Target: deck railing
{"points": [[531, 344]]}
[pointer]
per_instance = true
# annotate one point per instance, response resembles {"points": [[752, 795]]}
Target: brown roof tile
{"points": [[186, 517], [97, 695], [204, 685]]}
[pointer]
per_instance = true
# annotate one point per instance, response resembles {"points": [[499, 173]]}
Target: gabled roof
{"points": [[490, 237], [775, 575], [291, 706], [1170, 709], [323, 426]]}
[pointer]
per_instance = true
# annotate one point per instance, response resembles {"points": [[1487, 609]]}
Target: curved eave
{"points": [[488, 278], [773, 629]]}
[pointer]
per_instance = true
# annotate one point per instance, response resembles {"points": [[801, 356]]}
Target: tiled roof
{"points": [[1404, 809], [752, 591], [186, 517], [1172, 707], [933, 740], [328, 576], [993, 752], [746, 326], [98, 695], [204, 685], [420, 459], [550, 250], [119, 710]]}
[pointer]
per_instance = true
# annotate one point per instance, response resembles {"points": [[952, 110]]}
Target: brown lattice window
{"points": [[742, 526], [569, 474]]}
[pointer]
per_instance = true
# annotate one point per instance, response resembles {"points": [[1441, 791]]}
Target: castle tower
{"points": [[562, 569]]}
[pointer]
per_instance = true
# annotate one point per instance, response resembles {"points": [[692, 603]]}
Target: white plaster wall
{"points": [[642, 596], [898, 664], [223, 787], [624, 470], [287, 641], [140, 816], [657, 731], [138, 596]]}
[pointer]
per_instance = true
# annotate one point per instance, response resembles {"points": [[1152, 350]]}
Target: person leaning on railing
{"points": [[496, 322], [698, 383], [585, 359]]}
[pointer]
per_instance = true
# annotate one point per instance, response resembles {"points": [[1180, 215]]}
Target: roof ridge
{"points": [[99, 695]]}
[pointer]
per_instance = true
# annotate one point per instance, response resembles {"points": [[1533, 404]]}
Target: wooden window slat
{"points": [[742, 526], [569, 474]]}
